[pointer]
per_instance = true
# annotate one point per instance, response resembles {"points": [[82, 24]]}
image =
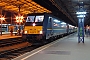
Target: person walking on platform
{"points": [[87, 30], [11, 30]]}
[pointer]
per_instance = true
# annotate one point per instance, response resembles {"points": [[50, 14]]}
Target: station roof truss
{"points": [[22, 6]]}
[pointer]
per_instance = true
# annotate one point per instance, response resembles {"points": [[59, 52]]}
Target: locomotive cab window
{"points": [[39, 18], [30, 19]]}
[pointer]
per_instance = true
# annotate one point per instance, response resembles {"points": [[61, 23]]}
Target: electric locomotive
{"points": [[43, 27]]}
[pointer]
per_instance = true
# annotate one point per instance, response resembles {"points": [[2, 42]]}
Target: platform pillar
{"points": [[81, 30]]}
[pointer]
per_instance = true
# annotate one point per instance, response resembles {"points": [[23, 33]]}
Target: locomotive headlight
{"points": [[25, 32], [34, 24], [41, 32]]}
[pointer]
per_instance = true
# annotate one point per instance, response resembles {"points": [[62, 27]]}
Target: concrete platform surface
{"points": [[7, 35], [66, 48]]}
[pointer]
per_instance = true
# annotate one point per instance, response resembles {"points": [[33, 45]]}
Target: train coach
{"points": [[43, 27]]}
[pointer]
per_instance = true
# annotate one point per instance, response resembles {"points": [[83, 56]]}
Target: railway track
{"points": [[10, 54], [10, 41], [15, 52], [9, 46]]}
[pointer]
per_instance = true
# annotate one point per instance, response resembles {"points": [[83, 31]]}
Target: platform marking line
{"points": [[33, 54], [38, 51]]}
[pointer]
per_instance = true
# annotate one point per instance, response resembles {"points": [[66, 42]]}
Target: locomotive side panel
{"points": [[55, 27], [49, 32]]}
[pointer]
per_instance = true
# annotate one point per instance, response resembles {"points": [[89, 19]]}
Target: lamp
{"points": [[1, 19], [19, 20]]}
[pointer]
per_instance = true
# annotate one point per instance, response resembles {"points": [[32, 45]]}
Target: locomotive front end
{"points": [[33, 29], [33, 32]]}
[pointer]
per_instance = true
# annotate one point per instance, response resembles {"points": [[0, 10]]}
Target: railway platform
{"points": [[7, 35], [66, 48]]}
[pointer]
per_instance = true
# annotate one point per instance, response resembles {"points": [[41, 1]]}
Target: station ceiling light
{"points": [[56, 20], [63, 23], [81, 16], [81, 12]]}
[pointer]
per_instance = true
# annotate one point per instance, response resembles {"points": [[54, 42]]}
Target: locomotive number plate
{"points": [[32, 31]]}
